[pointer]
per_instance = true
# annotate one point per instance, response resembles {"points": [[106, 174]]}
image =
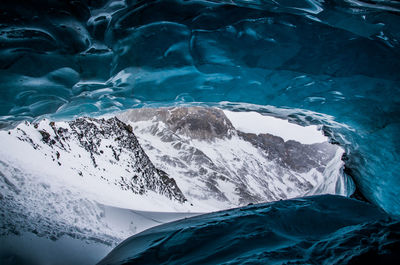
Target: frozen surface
{"points": [[30, 248], [313, 230]]}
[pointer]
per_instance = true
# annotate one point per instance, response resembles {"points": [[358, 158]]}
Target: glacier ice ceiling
{"points": [[334, 64]]}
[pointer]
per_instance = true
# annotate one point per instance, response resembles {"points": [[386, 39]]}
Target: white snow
{"points": [[39, 163], [254, 122]]}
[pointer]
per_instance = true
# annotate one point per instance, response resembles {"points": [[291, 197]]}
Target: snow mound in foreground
{"points": [[326, 229]]}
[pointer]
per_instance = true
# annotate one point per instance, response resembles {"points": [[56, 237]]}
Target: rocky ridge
{"points": [[108, 143]]}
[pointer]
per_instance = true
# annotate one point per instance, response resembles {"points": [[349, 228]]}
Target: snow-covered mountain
{"points": [[66, 183], [93, 180], [217, 166]]}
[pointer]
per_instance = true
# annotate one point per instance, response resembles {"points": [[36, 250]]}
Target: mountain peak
{"points": [[115, 154]]}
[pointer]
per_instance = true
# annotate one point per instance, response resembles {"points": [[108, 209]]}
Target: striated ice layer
{"points": [[337, 58]]}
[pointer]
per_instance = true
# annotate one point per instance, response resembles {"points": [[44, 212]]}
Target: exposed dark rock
{"points": [[291, 154], [45, 136], [194, 122]]}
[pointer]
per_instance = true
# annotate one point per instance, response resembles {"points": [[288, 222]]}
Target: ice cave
{"points": [[199, 132]]}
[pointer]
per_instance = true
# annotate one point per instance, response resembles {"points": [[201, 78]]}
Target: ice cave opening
{"points": [[134, 108]]}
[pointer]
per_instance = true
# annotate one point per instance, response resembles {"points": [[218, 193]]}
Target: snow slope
{"points": [[96, 156], [67, 183]]}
